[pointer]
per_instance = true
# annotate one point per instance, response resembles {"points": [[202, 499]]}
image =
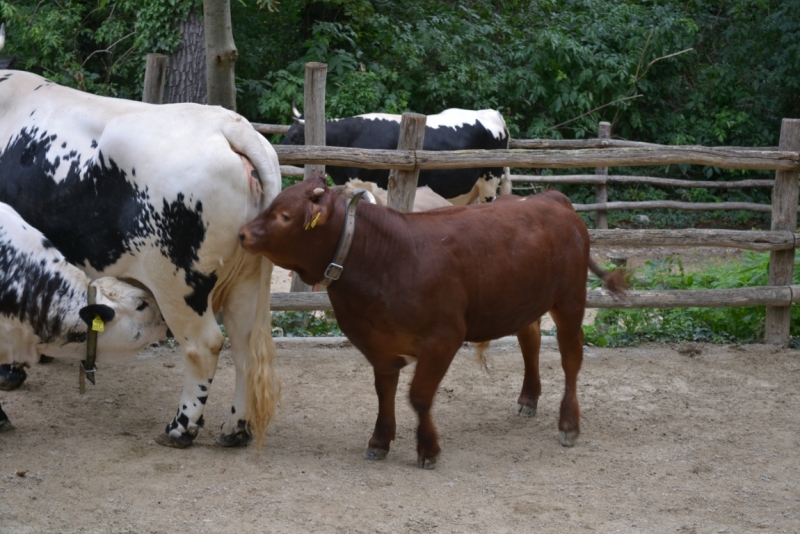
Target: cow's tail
{"points": [[614, 281], [263, 385], [2, 35]]}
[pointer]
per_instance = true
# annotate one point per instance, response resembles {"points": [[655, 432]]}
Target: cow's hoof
{"points": [[5, 425], [46, 359], [427, 463], [239, 439], [525, 410], [181, 442], [375, 454], [568, 439], [11, 377]]}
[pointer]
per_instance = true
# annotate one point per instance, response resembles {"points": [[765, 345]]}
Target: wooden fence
{"points": [[780, 241]]}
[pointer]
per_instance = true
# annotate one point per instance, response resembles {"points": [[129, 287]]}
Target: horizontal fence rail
{"points": [[270, 129], [546, 159], [710, 298], [627, 179], [576, 144], [561, 144], [759, 240], [674, 205]]}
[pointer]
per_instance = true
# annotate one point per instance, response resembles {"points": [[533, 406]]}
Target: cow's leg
{"points": [[201, 341], [432, 364], [11, 376], [530, 341], [5, 424], [568, 321], [240, 318], [385, 425]]}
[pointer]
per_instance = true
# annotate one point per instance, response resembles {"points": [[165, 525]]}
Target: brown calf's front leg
{"points": [[570, 345], [431, 368], [530, 341], [385, 425]]}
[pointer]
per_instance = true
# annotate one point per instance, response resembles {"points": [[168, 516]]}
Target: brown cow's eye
{"points": [[285, 217]]}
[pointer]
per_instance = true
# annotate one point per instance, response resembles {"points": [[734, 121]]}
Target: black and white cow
{"points": [[156, 195], [452, 129], [44, 304]]}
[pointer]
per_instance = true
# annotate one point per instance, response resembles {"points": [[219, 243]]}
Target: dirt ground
{"points": [[691, 438]]}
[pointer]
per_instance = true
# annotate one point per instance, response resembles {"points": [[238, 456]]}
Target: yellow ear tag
{"points": [[97, 324], [314, 222]]}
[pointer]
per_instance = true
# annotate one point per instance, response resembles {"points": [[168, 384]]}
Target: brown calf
{"points": [[415, 286]]}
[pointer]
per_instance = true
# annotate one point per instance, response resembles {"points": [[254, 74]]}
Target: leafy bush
{"points": [[615, 327], [305, 324]]}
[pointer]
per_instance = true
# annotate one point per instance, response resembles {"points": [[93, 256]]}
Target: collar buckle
{"points": [[334, 271]]}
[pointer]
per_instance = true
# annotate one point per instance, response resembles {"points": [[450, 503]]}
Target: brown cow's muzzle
{"points": [[247, 240]]}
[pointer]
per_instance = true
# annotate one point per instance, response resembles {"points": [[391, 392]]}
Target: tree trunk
{"points": [[186, 70], [221, 54]]}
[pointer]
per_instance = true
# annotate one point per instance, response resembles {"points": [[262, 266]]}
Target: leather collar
{"points": [[335, 268]]}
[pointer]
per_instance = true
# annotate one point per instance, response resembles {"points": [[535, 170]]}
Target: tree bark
{"points": [[221, 54], [186, 70], [155, 75]]}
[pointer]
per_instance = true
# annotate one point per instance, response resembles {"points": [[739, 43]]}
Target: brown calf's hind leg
{"points": [[530, 341], [385, 425], [570, 345]]}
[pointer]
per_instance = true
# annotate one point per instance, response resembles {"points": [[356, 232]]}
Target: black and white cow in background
{"points": [[452, 129], [156, 195], [44, 304]]}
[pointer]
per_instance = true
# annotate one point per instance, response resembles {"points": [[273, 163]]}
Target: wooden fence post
{"points": [[155, 75], [314, 117], [601, 190], [403, 184], [784, 217], [314, 109]]}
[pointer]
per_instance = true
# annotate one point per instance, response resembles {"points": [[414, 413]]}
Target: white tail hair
{"points": [[2, 35], [263, 385]]}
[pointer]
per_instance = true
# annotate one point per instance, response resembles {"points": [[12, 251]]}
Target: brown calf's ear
{"points": [[317, 214]]}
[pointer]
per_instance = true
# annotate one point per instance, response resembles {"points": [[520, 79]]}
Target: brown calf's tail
{"points": [[614, 281]]}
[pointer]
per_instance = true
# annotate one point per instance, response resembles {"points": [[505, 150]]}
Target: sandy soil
{"points": [[690, 438]]}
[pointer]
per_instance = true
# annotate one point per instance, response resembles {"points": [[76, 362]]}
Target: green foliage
{"points": [[304, 324], [94, 45], [615, 327]]}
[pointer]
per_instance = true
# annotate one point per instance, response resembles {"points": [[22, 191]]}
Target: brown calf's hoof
{"points": [[525, 410], [427, 463], [5, 426], [375, 454], [176, 443], [239, 439], [568, 439]]}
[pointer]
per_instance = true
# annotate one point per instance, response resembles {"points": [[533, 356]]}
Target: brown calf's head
{"points": [[294, 231]]}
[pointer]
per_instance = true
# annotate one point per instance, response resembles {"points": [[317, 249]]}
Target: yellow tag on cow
{"points": [[98, 325], [314, 222]]}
